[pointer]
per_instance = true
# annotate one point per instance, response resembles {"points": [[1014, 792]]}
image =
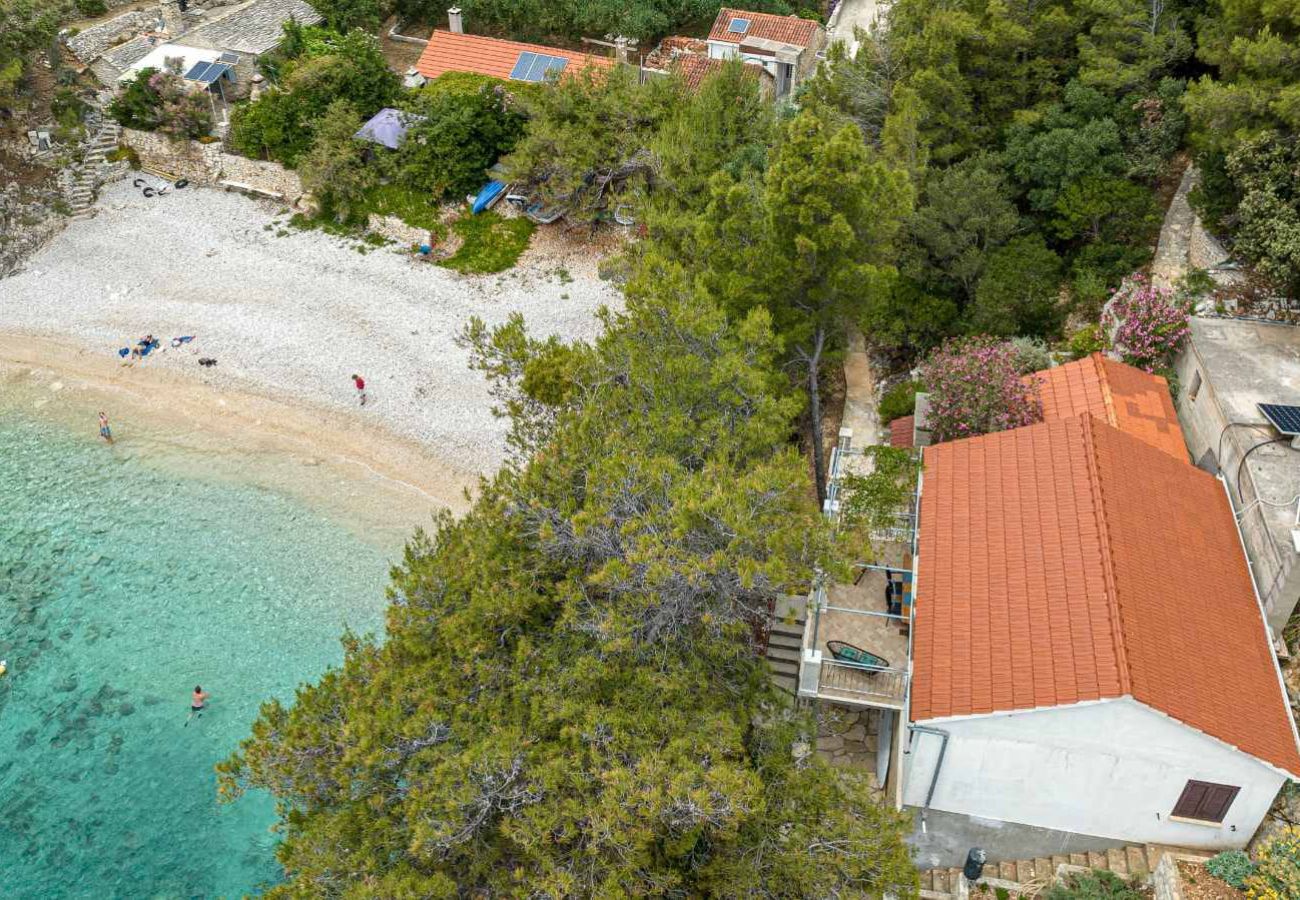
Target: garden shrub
{"points": [[1152, 325], [1086, 341], [975, 389], [163, 102], [898, 401], [1277, 868], [1096, 885], [1032, 355], [1232, 866], [460, 135]]}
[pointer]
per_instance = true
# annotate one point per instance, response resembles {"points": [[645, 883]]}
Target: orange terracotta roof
{"points": [[786, 29], [448, 51], [1134, 401], [900, 431], [1071, 561], [695, 69]]}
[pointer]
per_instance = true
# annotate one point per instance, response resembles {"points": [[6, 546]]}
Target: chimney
{"points": [[173, 21], [620, 50], [454, 21]]}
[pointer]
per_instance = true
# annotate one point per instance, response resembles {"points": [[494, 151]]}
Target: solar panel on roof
{"points": [[522, 65], [738, 26], [537, 71], [1285, 419], [556, 65], [197, 71], [232, 58]]}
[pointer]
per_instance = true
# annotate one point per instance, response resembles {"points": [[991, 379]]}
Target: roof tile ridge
{"points": [[1103, 378], [1089, 422]]}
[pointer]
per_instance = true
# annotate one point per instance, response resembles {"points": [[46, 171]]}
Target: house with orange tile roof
{"points": [[1070, 645], [454, 51], [786, 46]]}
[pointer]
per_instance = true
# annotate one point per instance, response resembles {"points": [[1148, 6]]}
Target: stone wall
{"points": [[96, 39], [208, 164]]}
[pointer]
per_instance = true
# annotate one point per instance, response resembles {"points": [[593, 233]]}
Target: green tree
{"points": [[1263, 172], [829, 245], [966, 214], [1019, 292], [568, 700], [278, 125], [344, 15], [334, 169], [454, 137], [908, 317], [1100, 208], [588, 140], [1074, 140]]}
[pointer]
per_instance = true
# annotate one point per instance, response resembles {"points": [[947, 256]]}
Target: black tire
{"points": [[149, 192], [181, 183], [139, 182]]}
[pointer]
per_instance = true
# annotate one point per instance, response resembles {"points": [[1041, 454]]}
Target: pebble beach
{"points": [[291, 314]]}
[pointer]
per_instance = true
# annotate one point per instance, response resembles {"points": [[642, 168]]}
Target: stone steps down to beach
{"points": [[1028, 877], [90, 173]]}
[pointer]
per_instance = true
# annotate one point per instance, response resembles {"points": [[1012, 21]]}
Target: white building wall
{"points": [[1113, 769]]}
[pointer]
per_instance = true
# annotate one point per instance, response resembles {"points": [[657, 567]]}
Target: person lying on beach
{"points": [[104, 431], [196, 703]]}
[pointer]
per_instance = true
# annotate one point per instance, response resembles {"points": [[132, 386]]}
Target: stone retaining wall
{"points": [[89, 44], [209, 164]]}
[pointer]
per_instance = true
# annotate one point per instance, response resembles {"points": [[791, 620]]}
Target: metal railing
{"points": [[875, 682]]}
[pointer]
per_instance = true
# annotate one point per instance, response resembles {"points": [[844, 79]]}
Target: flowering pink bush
{"points": [[1151, 324], [975, 389]]}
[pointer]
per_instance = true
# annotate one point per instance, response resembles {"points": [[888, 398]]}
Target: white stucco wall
{"points": [[1112, 769]]}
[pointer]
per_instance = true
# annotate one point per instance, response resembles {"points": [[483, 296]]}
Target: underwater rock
{"points": [[67, 684], [152, 700], [58, 741], [110, 767], [125, 709], [26, 739], [65, 634]]}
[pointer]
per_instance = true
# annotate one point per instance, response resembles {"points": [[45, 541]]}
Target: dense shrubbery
{"points": [[1099, 884], [163, 102], [1036, 135], [280, 125], [898, 401], [1277, 868]]}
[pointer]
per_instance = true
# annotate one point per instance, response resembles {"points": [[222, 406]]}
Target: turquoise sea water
{"points": [[122, 585]]}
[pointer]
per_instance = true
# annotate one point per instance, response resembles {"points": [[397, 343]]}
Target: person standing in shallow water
{"points": [[360, 384], [104, 431], [196, 703]]}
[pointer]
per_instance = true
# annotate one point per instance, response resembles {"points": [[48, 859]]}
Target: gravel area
{"points": [[294, 316]]}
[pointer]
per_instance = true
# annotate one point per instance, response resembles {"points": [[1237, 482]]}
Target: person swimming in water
{"points": [[196, 703], [104, 431]]}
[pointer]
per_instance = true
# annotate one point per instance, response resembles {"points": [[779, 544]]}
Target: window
{"points": [[1196, 385], [1205, 801], [738, 26]]}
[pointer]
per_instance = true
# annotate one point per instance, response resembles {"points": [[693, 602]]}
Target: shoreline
{"points": [[378, 483]]}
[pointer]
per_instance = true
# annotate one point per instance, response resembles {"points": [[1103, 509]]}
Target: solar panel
{"points": [[738, 26], [537, 71], [232, 58], [524, 63], [1285, 419], [197, 71], [556, 65]]}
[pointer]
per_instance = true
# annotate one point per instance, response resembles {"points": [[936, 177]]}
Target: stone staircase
{"points": [[1022, 875], [785, 642], [87, 176]]}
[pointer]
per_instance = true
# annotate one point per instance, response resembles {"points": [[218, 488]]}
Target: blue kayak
{"points": [[490, 194]]}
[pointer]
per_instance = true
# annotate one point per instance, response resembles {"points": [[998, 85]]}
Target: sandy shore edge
{"points": [[343, 465]]}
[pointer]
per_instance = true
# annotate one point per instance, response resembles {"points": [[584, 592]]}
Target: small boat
{"points": [[491, 193], [542, 214]]}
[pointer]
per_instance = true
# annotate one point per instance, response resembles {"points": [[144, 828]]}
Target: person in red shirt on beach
{"points": [[361, 387]]}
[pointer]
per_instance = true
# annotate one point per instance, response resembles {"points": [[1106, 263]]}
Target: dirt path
{"points": [[1171, 260], [860, 408]]}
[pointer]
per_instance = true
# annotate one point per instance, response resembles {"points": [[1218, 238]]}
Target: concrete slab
{"points": [[948, 837]]}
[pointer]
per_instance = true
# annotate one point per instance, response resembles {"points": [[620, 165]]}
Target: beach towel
{"points": [[183, 339]]}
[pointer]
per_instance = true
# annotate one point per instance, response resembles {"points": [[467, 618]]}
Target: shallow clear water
{"points": [[122, 585]]}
